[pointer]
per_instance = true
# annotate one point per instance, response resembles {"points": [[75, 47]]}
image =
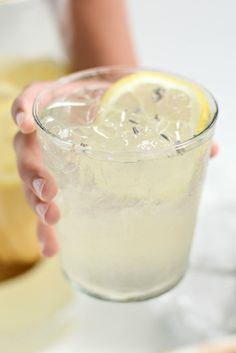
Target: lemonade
{"points": [[18, 242], [128, 149]]}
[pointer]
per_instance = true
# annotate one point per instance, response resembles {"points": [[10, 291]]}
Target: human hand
{"points": [[39, 186]]}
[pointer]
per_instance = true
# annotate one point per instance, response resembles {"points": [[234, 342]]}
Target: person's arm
{"points": [[96, 33]]}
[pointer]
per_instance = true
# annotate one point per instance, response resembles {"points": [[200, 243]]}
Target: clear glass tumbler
{"points": [[127, 217]]}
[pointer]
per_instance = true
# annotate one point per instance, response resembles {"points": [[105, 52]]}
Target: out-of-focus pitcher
{"points": [[30, 50]]}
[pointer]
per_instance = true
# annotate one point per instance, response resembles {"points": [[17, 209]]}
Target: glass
{"points": [[127, 218], [25, 56]]}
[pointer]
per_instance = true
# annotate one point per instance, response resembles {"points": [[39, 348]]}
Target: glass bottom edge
{"points": [[135, 298]]}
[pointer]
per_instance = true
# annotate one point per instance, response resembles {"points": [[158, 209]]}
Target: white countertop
{"points": [[197, 39]]}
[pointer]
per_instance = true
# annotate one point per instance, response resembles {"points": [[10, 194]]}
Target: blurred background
{"points": [[193, 38]]}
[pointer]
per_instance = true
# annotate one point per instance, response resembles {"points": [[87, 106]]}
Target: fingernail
{"points": [[41, 246], [41, 209], [38, 185], [19, 118]]}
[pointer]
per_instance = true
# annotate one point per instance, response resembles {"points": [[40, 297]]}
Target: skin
{"points": [[90, 42], [96, 34]]}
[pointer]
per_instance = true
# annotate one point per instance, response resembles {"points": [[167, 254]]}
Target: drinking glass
{"points": [[127, 218]]}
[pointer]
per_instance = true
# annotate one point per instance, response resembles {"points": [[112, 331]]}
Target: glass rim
{"points": [[92, 72]]}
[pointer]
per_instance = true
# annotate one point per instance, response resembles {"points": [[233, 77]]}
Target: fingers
{"points": [[30, 168], [47, 212], [38, 185], [22, 107], [214, 150], [39, 188], [47, 239]]}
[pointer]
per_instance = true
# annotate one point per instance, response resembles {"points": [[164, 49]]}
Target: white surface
{"points": [[197, 39]]}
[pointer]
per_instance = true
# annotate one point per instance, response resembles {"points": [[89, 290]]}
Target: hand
{"points": [[39, 186]]}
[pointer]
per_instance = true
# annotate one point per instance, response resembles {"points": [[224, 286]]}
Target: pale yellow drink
{"points": [[129, 177], [18, 241]]}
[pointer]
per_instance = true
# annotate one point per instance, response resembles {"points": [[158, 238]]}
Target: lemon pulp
{"points": [[151, 109]]}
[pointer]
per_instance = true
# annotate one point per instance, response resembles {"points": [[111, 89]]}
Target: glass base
{"points": [[124, 299]]}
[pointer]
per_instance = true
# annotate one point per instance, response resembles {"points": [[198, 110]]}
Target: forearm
{"points": [[98, 34]]}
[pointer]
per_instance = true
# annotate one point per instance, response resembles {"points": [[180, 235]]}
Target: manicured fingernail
{"points": [[38, 185], [41, 246], [41, 209], [20, 118]]}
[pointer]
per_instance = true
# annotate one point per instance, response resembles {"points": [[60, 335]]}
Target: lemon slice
{"points": [[148, 111], [157, 95], [8, 172], [135, 103]]}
